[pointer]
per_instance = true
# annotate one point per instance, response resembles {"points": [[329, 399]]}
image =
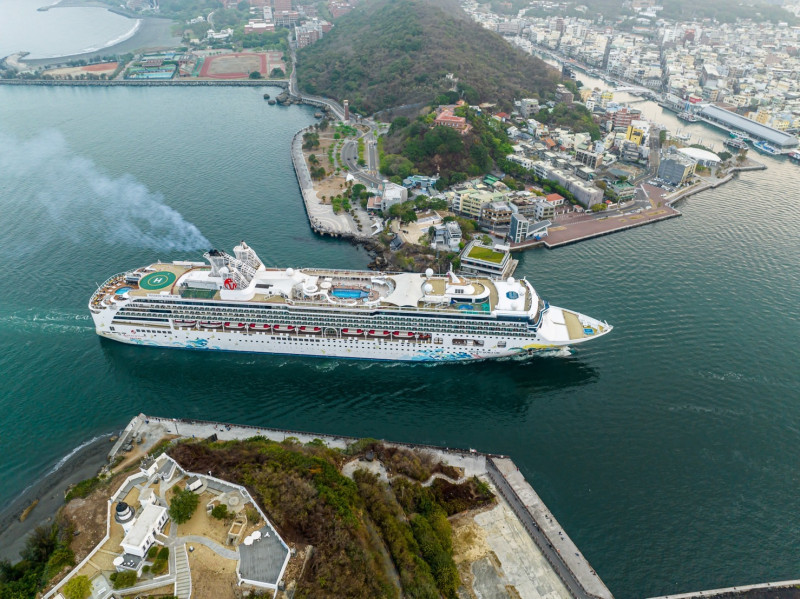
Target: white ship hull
{"points": [[361, 348]]}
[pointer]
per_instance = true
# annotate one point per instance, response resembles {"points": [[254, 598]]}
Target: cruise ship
{"points": [[235, 303]]}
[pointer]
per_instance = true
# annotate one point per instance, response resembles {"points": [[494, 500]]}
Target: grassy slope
{"points": [[389, 53]]}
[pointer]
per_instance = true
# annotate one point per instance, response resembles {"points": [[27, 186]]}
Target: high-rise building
{"points": [[281, 5]]}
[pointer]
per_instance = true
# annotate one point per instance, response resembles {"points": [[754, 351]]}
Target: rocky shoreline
{"points": [[48, 493]]}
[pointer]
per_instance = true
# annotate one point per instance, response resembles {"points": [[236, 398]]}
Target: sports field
{"points": [[239, 65], [96, 69]]}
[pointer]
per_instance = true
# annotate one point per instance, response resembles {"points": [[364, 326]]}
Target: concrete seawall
{"points": [[129, 83], [738, 592]]}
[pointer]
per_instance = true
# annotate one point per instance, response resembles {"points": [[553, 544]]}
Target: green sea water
{"points": [[668, 449]]}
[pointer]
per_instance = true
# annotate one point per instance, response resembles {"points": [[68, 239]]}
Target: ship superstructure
{"points": [[234, 303]]}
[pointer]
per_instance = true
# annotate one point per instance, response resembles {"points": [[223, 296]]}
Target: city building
{"points": [[142, 533], [496, 215], [446, 118], [589, 158], [447, 236], [480, 259], [523, 229], [676, 169]]}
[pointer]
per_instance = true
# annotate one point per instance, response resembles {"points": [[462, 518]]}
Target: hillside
{"points": [[371, 540], [389, 53]]}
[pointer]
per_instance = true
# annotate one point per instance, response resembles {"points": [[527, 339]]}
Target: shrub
{"points": [[253, 517], [183, 505], [163, 553], [152, 552], [220, 512], [123, 580], [78, 587], [83, 488], [159, 567]]}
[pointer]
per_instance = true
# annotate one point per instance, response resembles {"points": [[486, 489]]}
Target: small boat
{"points": [[259, 327], [283, 328], [185, 323], [403, 335], [352, 331], [378, 333], [688, 116], [423, 336], [310, 330], [736, 143], [764, 147], [235, 326], [210, 324], [794, 156]]}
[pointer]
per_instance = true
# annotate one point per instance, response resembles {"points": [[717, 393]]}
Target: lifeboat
{"points": [[234, 326], [378, 333], [210, 324], [185, 323], [403, 335], [423, 336], [352, 331], [283, 328], [259, 327], [310, 330]]}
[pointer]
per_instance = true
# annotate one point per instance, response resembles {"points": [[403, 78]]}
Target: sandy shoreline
{"points": [[49, 490], [152, 33]]}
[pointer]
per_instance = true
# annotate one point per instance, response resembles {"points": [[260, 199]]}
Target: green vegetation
{"points": [[46, 553], [152, 553], [83, 488], [311, 502], [255, 75], [77, 587], [310, 140], [387, 53], [600, 207], [183, 505], [123, 580], [577, 117], [419, 147], [489, 255], [220, 512]]}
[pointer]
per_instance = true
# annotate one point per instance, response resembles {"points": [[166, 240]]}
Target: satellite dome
{"points": [[429, 272], [224, 270], [427, 287], [290, 272], [512, 280]]}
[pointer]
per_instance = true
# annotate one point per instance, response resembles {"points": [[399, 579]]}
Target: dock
{"points": [[555, 548]]}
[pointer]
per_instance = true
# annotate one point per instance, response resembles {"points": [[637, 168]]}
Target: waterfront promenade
{"points": [[321, 217]]}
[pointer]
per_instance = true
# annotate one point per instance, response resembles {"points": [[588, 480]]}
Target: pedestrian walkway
{"points": [[215, 547], [183, 578]]}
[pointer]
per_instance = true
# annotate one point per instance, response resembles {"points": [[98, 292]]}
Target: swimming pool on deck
{"points": [[349, 293]]}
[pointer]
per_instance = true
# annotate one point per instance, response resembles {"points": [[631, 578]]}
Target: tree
{"points": [[255, 75], [78, 587], [183, 505], [277, 73]]}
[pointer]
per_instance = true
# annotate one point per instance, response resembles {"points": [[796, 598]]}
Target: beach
{"points": [[82, 463], [150, 33]]}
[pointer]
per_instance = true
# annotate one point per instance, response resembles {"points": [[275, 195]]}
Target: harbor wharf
{"points": [[559, 551]]}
